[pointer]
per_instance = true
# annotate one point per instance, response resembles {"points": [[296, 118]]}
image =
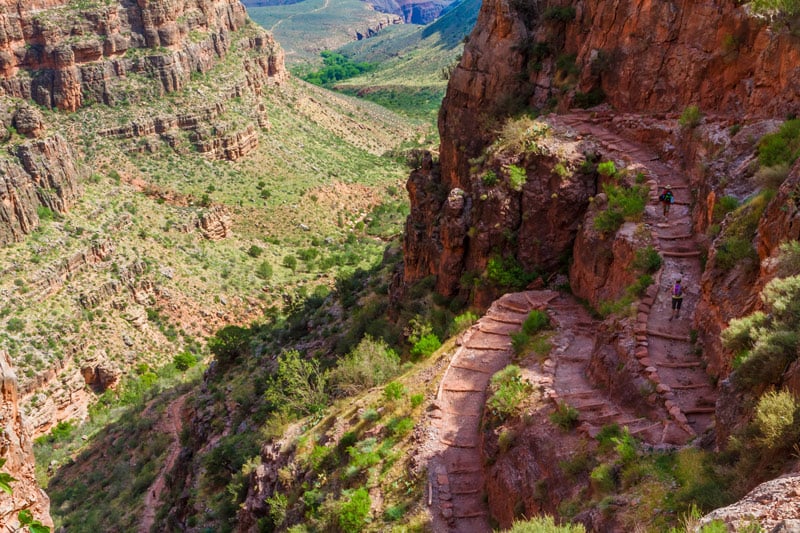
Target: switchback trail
{"points": [[664, 353], [171, 423]]}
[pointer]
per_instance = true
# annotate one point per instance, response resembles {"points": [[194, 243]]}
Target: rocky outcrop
{"points": [[62, 55], [40, 173], [453, 231], [772, 505], [215, 223], [373, 29], [17, 450], [413, 11]]}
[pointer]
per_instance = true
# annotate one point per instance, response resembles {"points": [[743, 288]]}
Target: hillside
{"points": [[414, 64], [542, 345]]}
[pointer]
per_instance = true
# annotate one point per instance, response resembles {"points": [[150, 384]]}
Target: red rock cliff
{"points": [[646, 57], [17, 449], [63, 56]]}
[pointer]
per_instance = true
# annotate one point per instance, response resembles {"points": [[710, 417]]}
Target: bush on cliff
{"points": [[624, 203], [781, 147], [369, 364]]}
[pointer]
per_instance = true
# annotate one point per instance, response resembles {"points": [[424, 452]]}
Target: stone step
{"points": [[458, 444], [505, 319], [699, 410], [646, 428], [473, 514], [488, 347], [461, 389], [676, 237], [688, 364], [691, 386], [668, 336], [695, 253], [462, 366], [513, 307]]}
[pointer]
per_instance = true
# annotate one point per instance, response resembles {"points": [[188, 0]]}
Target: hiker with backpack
{"points": [[677, 299], [666, 199]]}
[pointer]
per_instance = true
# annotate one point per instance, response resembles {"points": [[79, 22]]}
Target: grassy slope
{"points": [[308, 27], [320, 161], [410, 78]]}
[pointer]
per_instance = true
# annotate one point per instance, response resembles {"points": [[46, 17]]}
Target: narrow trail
{"points": [[172, 423], [664, 347], [456, 470], [664, 351]]}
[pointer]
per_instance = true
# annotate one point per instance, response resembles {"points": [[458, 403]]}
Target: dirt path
{"points": [[171, 423]]}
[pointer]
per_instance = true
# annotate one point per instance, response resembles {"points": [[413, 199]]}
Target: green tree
{"points": [[229, 343], [298, 386]]}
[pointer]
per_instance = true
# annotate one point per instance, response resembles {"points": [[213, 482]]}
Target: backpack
{"points": [[677, 291], [666, 196]]}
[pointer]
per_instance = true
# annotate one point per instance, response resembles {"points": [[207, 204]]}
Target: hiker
{"points": [[677, 299], [666, 199]]}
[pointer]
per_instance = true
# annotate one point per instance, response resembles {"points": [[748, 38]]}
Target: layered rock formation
{"points": [[413, 11], [64, 55], [39, 173], [17, 450]]}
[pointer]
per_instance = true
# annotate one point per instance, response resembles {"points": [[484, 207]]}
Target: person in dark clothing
{"points": [[677, 299], [667, 199]]}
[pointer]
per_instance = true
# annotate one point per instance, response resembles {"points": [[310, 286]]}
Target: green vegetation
{"points": [[336, 68], [647, 260], [517, 177], [565, 416], [508, 390], [624, 204], [735, 245], [508, 273], [781, 147], [369, 364], [691, 117], [607, 169], [544, 524], [782, 9]]}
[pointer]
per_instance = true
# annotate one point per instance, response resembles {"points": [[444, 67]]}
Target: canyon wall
{"points": [[64, 55], [645, 57], [16, 447]]}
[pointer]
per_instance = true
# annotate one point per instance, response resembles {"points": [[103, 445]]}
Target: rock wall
{"points": [[646, 57], [36, 173], [63, 56], [17, 450], [413, 11]]}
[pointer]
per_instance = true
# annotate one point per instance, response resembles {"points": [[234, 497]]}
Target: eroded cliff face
{"points": [[642, 57], [35, 173], [16, 448], [63, 56]]}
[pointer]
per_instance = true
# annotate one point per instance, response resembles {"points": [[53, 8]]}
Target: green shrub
{"points": [[184, 361], [565, 416], [715, 526], [607, 169], [508, 390], [626, 446], [691, 117], [45, 213], [264, 270], [789, 259], [417, 399], [594, 97], [724, 205], [15, 325], [647, 260], [298, 386], [426, 345], [464, 321], [230, 343], [733, 250], [624, 203], [602, 477], [536, 321], [255, 251], [394, 391], [290, 262], [517, 176], [544, 524], [519, 342], [354, 511], [781, 147], [777, 419], [508, 273], [369, 364], [336, 68], [490, 178], [400, 427], [607, 435]]}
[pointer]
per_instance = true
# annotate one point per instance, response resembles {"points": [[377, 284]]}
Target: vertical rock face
{"points": [[17, 449], [63, 56], [645, 57], [41, 173]]}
